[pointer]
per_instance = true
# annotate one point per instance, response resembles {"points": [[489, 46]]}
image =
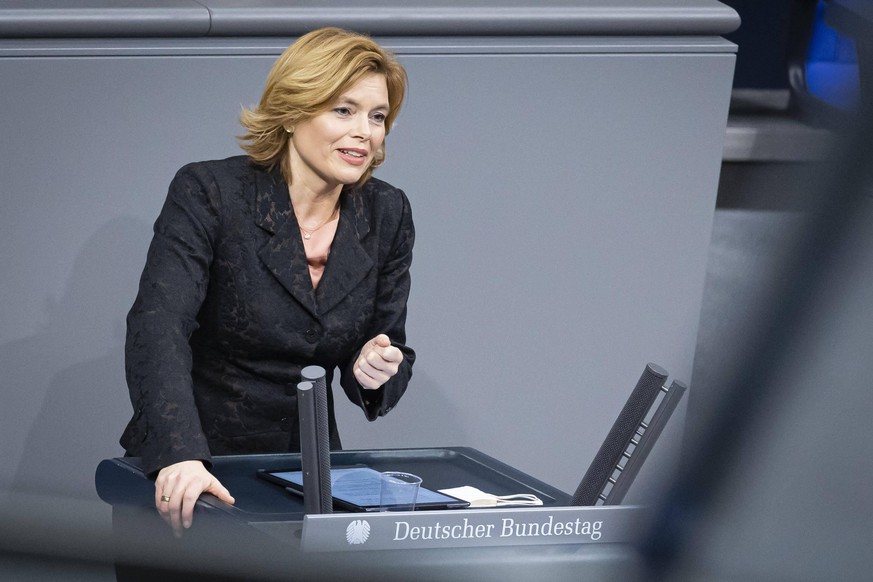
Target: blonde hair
{"points": [[306, 79]]}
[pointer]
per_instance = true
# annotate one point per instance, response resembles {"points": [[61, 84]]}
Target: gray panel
{"points": [[270, 46], [563, 204], [97, 141], [480, 17], [102, 18], [534, 319], [60, 18]]}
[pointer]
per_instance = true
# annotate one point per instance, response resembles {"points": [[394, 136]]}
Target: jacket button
{"points": [[311, 336]]}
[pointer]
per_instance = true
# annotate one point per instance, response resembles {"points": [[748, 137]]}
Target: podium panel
{"points": [[263, 535]]}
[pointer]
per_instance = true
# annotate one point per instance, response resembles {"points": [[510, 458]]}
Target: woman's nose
{"points": [[362, 127]]}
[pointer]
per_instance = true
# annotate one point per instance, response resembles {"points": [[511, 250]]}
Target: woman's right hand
{"points": [[177, 489]]}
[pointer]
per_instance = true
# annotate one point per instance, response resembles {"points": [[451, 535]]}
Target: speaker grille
{"points": [[620, 435]]}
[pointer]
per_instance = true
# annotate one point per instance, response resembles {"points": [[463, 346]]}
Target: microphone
{"points": [[610, 453], [314, 441]]}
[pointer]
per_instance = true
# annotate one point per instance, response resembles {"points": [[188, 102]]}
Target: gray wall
{"points": [[563, 192]]}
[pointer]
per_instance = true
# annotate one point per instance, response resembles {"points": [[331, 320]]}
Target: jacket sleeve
{"points": [[166, 427], [389, 318]]}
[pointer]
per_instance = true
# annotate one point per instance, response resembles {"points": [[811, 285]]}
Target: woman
{"points": [[263, 264]]}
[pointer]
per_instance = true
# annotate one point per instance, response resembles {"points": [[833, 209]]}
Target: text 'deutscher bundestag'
{"points": [[470, 528]]}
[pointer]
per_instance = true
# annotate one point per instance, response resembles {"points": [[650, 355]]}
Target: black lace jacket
{"points": [[226, 316]]}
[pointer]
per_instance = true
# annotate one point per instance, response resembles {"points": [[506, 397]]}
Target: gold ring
{"points": [[165, 498]]}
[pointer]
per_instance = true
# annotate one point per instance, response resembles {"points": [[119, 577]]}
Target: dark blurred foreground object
{"points": [[854, 19], [777, 481]]}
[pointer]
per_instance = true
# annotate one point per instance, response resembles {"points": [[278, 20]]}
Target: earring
{"points": [[289, 130]]}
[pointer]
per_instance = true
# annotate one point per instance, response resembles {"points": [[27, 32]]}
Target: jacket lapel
{"points": [[283, 254], [349, 261], [285, 257]]}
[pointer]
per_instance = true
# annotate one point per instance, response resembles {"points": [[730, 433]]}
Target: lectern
{"points": [[263, 535]]}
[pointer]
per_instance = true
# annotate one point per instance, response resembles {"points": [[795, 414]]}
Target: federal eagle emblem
{"points": [[357, 532]]}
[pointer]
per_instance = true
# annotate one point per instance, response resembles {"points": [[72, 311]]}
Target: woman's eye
{"points": [[378, 117], [342, 111]]}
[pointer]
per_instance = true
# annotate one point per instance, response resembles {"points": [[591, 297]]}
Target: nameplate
{"points": [[470, 528]]}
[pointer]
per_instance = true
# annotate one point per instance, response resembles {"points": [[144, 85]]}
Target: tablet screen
{"points": [[358, 489]]}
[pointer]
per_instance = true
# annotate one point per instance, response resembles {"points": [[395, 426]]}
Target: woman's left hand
{"points": [[377, 363]]}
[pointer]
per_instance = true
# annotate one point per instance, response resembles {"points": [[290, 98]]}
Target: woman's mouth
{"points": [[353, 156]]}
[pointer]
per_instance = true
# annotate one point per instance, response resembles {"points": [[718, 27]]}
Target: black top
{"points": [[226, 315]]}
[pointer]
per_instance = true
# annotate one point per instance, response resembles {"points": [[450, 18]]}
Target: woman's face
{"points": [[337, 146]]}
